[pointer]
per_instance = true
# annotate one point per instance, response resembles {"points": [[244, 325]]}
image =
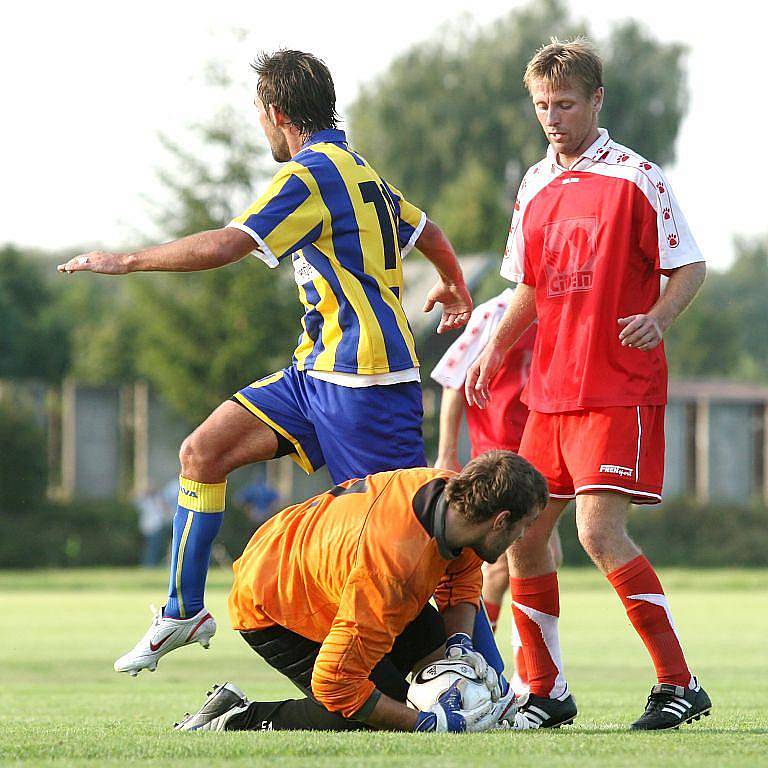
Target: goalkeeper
{"points": [[334, 593]]}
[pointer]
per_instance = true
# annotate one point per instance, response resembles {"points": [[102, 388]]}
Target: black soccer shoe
{"points": [[223, 702], [669, 706], [542, 712]]}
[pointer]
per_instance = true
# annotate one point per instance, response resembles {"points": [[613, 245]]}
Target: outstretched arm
{"points": [[205, 250], [645, 331], [450, 290]]}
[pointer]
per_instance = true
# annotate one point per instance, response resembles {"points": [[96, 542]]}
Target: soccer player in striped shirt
{"points": [[595, 226], [352, 397]]}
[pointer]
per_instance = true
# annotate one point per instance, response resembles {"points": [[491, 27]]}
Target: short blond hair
{"points": [[563, 63]]}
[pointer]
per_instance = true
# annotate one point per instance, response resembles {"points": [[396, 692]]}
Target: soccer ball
{"points": [[430, 683]]}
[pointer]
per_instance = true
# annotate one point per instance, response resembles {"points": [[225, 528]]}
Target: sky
{"points": [[87, 87]]}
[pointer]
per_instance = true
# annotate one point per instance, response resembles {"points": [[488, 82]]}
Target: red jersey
{"points": [[501, 425], [593, 241]]}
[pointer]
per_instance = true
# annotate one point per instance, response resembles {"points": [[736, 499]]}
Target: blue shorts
{"points": [[356, 431]]}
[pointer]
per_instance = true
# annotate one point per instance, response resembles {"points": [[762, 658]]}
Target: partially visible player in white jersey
{"points": [[499, 427], [595, 226]]}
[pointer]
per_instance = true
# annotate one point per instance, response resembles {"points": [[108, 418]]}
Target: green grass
{"points": [[61, 704]]}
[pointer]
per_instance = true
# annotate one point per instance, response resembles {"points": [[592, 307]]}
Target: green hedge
{"points": [[23, 450], [58, 535], [681, 533], [106, 533], [86, 533]]}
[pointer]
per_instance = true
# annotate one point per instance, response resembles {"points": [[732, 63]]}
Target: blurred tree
{"points": [[646, 93], [725, 331], [103, 328], [450, 123], [33, 335]]}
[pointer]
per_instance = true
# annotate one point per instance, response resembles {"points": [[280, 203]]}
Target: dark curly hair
{"points": [[300, 86], [495, 481]]}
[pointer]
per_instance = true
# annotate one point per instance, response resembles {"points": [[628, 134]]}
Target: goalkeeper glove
{"points": [[447, 716], [458, 647]]}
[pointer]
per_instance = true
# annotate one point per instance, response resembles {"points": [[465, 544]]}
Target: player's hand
{"points": [[480, 375], [456, 301], [641, 332], [448, 461], [458, 647], [98, 261], [447, 716]]}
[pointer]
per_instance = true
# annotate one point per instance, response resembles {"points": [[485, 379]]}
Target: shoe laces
{"points": [[657, 701]]}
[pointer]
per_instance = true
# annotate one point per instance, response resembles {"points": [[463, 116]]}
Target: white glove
{"points": [[503, 716], [448, 716], [458, 647]]}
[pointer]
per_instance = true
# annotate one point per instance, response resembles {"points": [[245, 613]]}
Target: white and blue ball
{"points": [[431, 682]]}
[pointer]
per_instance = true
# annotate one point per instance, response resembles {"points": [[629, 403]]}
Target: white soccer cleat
{"points": [[164, 635]]}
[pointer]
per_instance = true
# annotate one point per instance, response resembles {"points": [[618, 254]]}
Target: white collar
{"points": [[591, 153]]}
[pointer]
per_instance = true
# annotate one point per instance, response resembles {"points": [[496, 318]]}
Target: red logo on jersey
{"points": [[570, 250]]}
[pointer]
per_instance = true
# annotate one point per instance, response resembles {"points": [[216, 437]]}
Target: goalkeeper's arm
{"points": [[446, 716]]}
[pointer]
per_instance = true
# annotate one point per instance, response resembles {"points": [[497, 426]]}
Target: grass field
{"points": [[61, 704]]}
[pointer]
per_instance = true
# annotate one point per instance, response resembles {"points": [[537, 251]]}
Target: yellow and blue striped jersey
{"points": [[346, 231]]}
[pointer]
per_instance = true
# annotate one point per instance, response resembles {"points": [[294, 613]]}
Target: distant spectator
{"points": [[259, 500], [156, 508]]}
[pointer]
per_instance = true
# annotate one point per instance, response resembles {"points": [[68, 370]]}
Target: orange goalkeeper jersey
{"points": [[350, 569]]}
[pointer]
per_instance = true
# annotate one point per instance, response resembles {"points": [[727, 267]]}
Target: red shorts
{"points": [[618, 449]]}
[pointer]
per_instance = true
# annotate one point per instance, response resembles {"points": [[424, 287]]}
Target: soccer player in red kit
{"points": [[500, 427], [594, 228]]}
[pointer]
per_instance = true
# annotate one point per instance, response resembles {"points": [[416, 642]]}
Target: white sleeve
{"points": [[512, 265], [451, 370], [677, 246]]}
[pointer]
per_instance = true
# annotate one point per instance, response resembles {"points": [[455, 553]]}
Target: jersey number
{"points": [[373, 193]]}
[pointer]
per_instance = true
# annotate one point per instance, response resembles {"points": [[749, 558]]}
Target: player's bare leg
{"points": [[532, 555], [229, 438], [556, 547], [601, 519], [495, 583]]}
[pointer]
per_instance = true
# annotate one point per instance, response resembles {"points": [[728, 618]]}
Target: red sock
{"points": [[640, 591], [492, 609], [536, 609]]}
